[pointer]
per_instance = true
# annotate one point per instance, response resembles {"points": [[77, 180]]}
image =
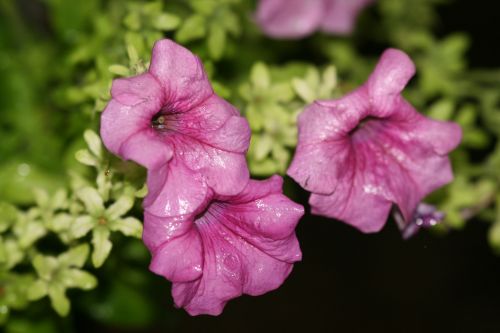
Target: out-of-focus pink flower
{"points": [[300, 18], [170, 121], [425, 216], [362, 153], [243, 244]]}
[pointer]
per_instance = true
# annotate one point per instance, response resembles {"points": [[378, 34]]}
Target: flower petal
{"points": [[146, 148], [232, 267], [243, 244], [289, 18], [181, 75], [351, 204], [224, 172], [340, 15], [217, 123], [389, 78], [180, 259], [134, 101], [174, 190], [323, 139]]}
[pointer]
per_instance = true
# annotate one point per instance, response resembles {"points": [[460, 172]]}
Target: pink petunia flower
{"points": [[290, 19], [362, 153], [233, 245], [170, 121]]}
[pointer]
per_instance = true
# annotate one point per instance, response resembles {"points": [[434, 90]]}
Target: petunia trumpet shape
{"points": [[170, 121], [361, 154], [233, 245], [290, 19]]}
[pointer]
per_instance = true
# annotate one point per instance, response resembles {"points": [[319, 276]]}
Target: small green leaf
{"points": [[129, 226], [120, 207], [59, 200], [494, 236], [259, 76], [304, 91], [41, 197], [14, 253], [8, 215], [37, 290], [74, 257], [102, 245], [192, 28], [329, 82], [45, 266], [119, 70], [262, 146], [81, 226], [166, 22], [133, 20], [29, 233], [142, 192], [85, 157], [94, 142], [4, 314], [76, 278], [442, 109], [216, 41], [58, 299], [92, 200]]}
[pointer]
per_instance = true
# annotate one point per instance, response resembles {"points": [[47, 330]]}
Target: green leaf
{"points": [[58, 299], [81, 226], [192, 28], [76, 278], [92, 200], [85, 157], [216, 41], [45, 266], [442, 109], [494, 236], [329, 82], [262, 146], [4, 314], [259, 76], [142, 192], [94, 142], [119, 70], [120, 207], [129, 226], [74, 257], [37, 290], [166, 22], [102, 245], [14, 253], [60, 199], [41, 197], [8, 215], [29, 233], [303, 89]]}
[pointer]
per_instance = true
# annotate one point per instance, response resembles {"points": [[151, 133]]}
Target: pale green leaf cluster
{"points": [[97, 208], [273, 97]]}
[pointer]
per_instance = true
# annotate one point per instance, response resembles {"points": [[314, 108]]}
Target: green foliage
{"points": [[273, 98]]}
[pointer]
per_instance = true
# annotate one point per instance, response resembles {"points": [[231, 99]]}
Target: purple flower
{"points": [[362, 153], [425, 216], [232, 245], [300, 18], [170, 121]]}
